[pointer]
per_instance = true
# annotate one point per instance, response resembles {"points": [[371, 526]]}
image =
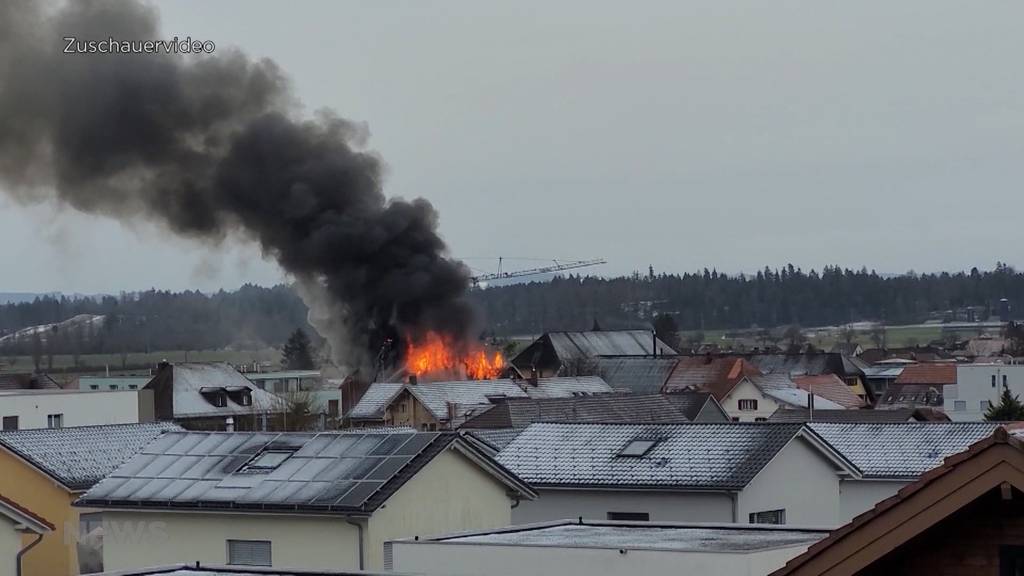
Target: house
{"points": [[113, 382], [639, 375], [211, 397], [583, 547], [20, 530], [975, 387], [318, 501], [919, 386], [849, 369], [45, 470], [890, 456], [866, 416], [28, 381], [24, 409], [603, 408], [965, 516], [677, 473], [568, 353], [756, 397], [710, 373], [447, 405], [878, 377]]}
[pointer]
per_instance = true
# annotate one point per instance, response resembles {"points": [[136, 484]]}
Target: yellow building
{"points": [[45, 470], [17, 521], [327, 501]]}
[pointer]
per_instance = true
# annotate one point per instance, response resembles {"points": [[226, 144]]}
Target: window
{"points": [[332, 407], [249, 553], [94, 386], [10, 423], [985, 405], [1011, 560], [768, 517], [735, 418], [960, 405], [748, 404], [55, 421], [638, 447], [630, 516], [433, 426], [1005, 383], [267, 461], [760, 419], [993, 380], [401, 407], [423, 426], [133, 386]]}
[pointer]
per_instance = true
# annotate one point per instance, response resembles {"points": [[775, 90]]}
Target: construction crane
{"points": [[555, 267]]}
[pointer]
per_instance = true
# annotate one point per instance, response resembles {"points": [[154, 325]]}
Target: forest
{"points": [[255, 316]]}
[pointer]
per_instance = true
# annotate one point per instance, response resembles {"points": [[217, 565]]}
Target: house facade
{"points": [[27, 409], [323, 501], [212, 396], [46, 470], [19, 527], [978, 386]]}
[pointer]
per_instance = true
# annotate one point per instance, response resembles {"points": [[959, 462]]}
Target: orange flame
{"points": [[433, 354]]}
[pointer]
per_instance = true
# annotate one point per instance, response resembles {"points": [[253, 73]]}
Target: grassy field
{"points": [[140, 360], [895, 336]]}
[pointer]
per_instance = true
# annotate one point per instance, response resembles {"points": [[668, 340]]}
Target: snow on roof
{"points": [[376, 399], [190, 380], [685, 456], [570, 345], [901, 450], [798, 397], [81, 456], [566, 386], [636, 374], [645, 535]]}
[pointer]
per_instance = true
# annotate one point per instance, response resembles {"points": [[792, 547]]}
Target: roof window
{"points": [[267, 461], [638, 447]]}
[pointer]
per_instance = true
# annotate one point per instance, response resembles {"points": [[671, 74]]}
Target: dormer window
{"points": [[638, 447], [216, 396]]}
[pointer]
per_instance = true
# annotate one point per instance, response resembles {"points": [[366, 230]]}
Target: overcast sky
{"points": [[678, 134]]}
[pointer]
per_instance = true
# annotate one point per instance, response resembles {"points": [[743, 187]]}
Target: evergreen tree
{"points": [[1009, 408], [297, 353], [666, 329]]}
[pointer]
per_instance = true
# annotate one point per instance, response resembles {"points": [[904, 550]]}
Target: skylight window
{"points": [[638, 447], [268, 460]]}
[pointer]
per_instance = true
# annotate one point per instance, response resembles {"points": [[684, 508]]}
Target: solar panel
{"points": [[358, 494], [364, 445], [416, 444], [388, 468], [334, 491], [390, 444], [341, 443], [363, 467]]}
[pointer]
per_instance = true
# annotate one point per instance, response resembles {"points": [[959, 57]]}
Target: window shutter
{"points": [[389, 560], [249, 552]]}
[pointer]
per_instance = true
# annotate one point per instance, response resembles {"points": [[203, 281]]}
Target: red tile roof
{"points": [[7, 501], [707, 374], [935, 374], [829, 387]]}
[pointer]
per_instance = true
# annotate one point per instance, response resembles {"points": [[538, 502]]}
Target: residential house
{"points": [[307, 385], [865, 416], [603, 408], [447, 405], [878, 377], [890, 456], [639, 375], [195, 569], [317, 501], [25, 409], [919, 386], [20, 530], [211, 397], [98, 383], [965, 516], [45, 470], [708, 372], [976, 387], [570, 353], [756, 397], [677, 473], [582, 547], [28, 381], [849, 369], [912, 353], [829, 387]]}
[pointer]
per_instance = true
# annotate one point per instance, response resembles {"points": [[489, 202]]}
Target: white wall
{"points": [[80, 408], [974, 386], [745, 390], [857, 496], [133, 540], [798, 480], [595, 505], [464, 559], [10, 544]]}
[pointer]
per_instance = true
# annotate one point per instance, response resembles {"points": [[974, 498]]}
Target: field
{"points": [[136, 361], [895, 336]]}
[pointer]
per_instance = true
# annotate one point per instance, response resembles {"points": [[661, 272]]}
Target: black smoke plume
{"points": [[213, 145]]}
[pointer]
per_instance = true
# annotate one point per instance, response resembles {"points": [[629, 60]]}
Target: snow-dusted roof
{"points": [[685, 456], [797, 397], [376, 399], [190, 381], [566, 386], [81, 456], [901, 450], [574, 345], [637, 374], [645, 535], [436, 396]]}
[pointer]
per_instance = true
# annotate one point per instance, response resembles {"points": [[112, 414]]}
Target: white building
{"points": [[816, 474], [979, 386], [586, 548], [15, 522], [301, 501], [25, 409]]}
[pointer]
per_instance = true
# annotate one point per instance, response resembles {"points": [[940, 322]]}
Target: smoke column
{"points": [[210, 145]]}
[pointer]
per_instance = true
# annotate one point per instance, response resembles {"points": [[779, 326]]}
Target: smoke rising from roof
{"points": [[210, 146]]}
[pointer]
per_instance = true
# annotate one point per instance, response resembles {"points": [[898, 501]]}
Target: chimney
{"points": [[654, 343], [413, 380], [532, 379]]}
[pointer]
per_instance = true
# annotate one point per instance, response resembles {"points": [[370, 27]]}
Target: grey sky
{"points": [[678, 134]]}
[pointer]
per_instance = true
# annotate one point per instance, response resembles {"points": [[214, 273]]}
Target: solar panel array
{"points": [[326, 471]]}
